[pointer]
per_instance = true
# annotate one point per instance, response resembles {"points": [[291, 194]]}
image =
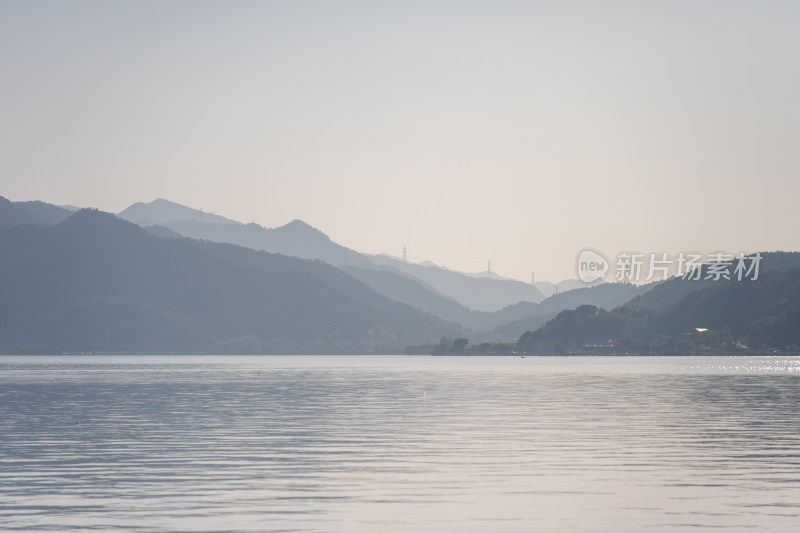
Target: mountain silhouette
{"points": [[419, 286], [480, 294], [606, 296], [18, 213], [682, 316], [299, 239], [161, 211], [63, 285]]}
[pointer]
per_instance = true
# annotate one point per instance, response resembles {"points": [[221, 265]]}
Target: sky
{"points": [[513, 132]]}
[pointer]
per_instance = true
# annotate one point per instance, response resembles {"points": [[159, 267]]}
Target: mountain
{"points": [[409, 290], [604, 296], [676, 288], [18, 213], [717, 317], [480, 294], [49, 213], [12, 214], [550, 289], [480, 303], [547, 288], [507, 323], [62, 286], [162, 231], [296, 239], [161, 211]]}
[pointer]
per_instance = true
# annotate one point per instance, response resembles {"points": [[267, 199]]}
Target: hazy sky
{"points": [[516, 132]]}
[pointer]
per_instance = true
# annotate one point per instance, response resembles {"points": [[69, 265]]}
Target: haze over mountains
{"points": [[480, 304], [63, 285], [478, 293], [162, 277], [298, 239], [681, 317], [17, 213]]}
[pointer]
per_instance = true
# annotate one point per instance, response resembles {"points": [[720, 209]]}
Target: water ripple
{"points": [[340, 444]]}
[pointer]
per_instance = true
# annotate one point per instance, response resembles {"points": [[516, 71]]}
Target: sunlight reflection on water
{"points": [[440, 444]]}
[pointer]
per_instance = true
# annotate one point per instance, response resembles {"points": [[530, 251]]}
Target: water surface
{"points": [[388, 444]]}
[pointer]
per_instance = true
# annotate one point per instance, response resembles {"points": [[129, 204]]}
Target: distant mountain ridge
{"points": [[606, 296], [35, 212], [298, 239], [62, 286], [62, 274], [161, 212], [479, 294], [499, 306], [490, 307], [507, 323], [682, 316]]}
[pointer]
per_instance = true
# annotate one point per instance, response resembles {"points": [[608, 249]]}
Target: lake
{"points": [[390, 444]]}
